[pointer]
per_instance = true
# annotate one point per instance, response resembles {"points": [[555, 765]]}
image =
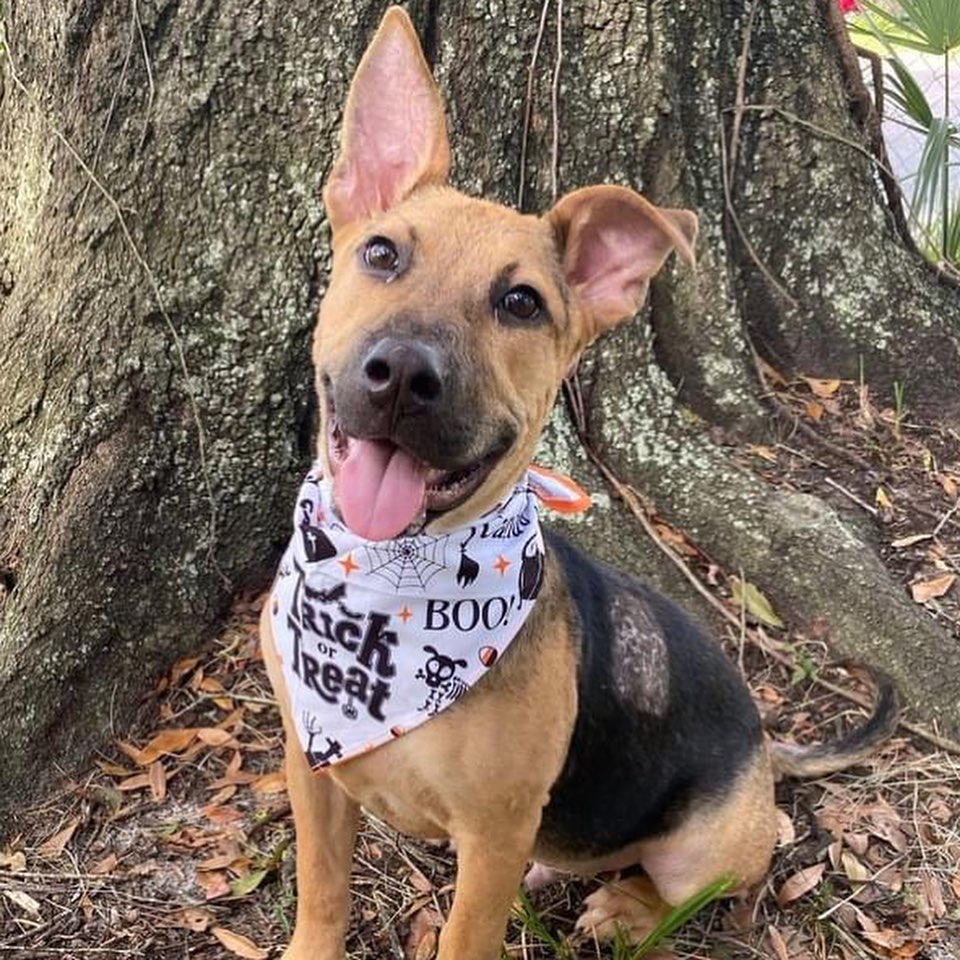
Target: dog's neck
{"points": [[377, 637]]}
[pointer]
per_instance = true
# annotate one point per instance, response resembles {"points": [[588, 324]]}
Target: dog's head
{"points": [[449, 322]]}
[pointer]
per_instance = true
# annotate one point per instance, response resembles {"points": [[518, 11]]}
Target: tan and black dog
{"points": [[613, 733]]}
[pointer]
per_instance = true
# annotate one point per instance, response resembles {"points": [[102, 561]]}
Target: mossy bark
{"points": [[162, 305]]}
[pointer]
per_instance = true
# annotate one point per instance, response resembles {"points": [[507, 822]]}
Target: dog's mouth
{"points": [[382, 489]]}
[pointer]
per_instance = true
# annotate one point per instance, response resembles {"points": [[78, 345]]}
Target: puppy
{"points": [[439, 659]]}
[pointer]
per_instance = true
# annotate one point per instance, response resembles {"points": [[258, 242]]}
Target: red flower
{"points": [[848, 6]]}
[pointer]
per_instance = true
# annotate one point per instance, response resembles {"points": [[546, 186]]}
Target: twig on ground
{"points": [[850, 495]]}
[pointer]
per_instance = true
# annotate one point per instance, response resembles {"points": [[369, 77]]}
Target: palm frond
{"points": [[905, 92]]}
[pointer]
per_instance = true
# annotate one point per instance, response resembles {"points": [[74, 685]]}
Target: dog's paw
{"points": [[631, 905]]}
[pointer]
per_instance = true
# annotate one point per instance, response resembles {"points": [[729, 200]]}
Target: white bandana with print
{"points": [[376, 637]]}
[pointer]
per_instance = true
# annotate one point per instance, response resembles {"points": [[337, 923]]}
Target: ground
{"points": [[178, 842]]}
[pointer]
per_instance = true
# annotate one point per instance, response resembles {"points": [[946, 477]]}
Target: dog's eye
{"points": [[521, 305], [381, 254]]}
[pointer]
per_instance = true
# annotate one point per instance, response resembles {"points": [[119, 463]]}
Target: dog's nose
{"points": [[403, 373]]}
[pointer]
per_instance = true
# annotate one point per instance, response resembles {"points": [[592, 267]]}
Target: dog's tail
{"points": [[855, 747]]}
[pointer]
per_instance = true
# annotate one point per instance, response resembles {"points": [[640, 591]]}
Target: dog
{"points": [[608, 733]]}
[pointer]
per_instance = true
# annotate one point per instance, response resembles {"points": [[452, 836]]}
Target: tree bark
{"points": [[162, 248]]}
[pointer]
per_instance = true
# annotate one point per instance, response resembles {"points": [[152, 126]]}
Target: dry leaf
{"points": [[857, 842], [803, 881], [834, 852], [86, 905], [778, 943], [421, 942], [771, 373], [911, 540], [886, 938], [933, 894], [182, 667], [949, 485], [193, 918], [238, 944], [883, 499], [813, 410], [158, 780], [223, 859], [853, 868], [171, 741], [223, 795], [763, 452], [420, 883], [748, 595], [24, 901], [924, 590], [107, 865], [220, 814], [673, 538], [55, 845], [215, 737], [427, 947], [15, 862], [822, 388], [136, 782], [214, 883], [270, 783], [114, 769], [786, 832]]}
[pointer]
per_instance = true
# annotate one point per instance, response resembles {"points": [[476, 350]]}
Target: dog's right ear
{"points": [[394, 136], [611, 242]]}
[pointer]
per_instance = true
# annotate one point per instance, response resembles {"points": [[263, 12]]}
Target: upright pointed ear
{"points": [[612, 242], [394, 137]]}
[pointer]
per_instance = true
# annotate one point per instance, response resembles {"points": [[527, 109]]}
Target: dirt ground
{"points": [[178, 841]]}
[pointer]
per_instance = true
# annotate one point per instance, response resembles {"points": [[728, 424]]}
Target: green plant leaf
{"points": [[748, 595], [930, 26], [931, 171], [904, 90], [679, 915], [247, 883]]}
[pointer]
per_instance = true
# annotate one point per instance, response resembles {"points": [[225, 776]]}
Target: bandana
{"points": [[377, 636]]}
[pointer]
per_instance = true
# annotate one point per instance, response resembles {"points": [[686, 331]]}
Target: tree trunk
{"points": [[162, 249]]}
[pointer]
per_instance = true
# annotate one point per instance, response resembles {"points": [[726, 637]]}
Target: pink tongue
{"points": [[380, 489]]}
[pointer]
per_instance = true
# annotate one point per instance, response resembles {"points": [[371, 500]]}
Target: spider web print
{"points": [[410, 563]]}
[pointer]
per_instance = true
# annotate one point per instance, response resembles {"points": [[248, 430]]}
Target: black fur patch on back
{"points": [[664, 720]]}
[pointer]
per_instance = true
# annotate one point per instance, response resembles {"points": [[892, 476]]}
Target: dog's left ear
{"points": [[611, 243], [394, 136]]}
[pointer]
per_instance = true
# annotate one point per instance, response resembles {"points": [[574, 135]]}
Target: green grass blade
{"points": [[527, 914], [679, 915]]}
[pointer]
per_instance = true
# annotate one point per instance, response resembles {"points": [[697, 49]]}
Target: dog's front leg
{"points": [[325, 821], [489, 871]]}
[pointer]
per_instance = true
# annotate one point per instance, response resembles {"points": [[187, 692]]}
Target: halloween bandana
{"points": [[376, 637]]}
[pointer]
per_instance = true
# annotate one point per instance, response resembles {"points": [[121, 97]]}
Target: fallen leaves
{"points": [[192, 918], [799, 883], [924, 590], [25, 902], [54, 845], [14, 860], [822, 388], [238, 944], [421, 942]]}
